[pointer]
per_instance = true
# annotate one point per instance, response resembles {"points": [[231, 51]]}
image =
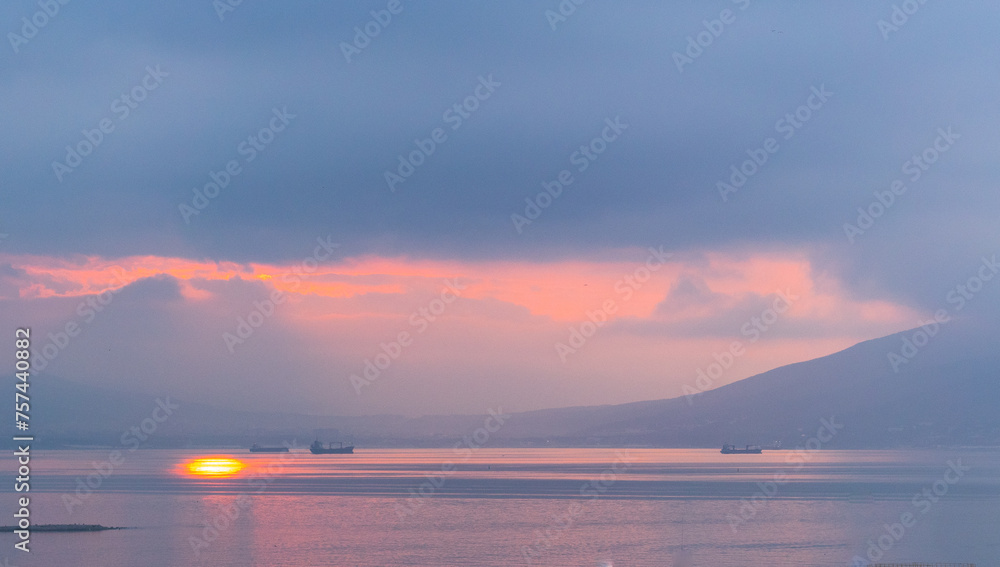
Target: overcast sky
{"points": [[374, 174]]}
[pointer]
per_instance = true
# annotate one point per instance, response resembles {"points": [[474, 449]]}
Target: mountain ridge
{"points": [[939, 397]]}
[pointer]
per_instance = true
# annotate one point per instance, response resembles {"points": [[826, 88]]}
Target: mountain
{"points": [[66, 413], [940, 393], [945, 395]]}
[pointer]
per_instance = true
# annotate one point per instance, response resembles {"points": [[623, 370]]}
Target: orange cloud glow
{"points": [[562, 291]]}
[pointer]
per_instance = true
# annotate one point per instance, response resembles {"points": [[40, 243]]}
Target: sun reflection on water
{"points": [[215, 466]]}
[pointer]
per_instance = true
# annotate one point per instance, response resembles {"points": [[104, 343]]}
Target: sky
{"points": [[444, 207]]}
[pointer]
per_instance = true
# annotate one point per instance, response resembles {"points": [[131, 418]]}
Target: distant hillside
{"points": [[945, 396], [67, 413]]}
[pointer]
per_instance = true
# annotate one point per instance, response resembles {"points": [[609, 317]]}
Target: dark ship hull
{"points": [[750, 450], [317, 448]]}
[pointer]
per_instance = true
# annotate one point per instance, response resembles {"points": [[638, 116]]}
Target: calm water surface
{"points": [[558, 507]]}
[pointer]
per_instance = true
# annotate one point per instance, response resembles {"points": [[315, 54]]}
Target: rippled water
{"points": [[554, 507]]}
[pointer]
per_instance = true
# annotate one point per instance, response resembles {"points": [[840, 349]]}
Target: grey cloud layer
{"points": [[324, 173]]}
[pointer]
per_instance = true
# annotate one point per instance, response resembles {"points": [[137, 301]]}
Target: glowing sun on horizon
{"points": [[215, 466]]}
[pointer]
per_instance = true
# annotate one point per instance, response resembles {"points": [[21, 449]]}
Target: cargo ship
{"points": [[317, 448], [750, 450]]}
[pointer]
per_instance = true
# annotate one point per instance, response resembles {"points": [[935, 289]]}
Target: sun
{"points": [[215, 466]]}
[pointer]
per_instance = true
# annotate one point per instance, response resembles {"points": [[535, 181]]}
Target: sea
{"points": [[598, 507]]}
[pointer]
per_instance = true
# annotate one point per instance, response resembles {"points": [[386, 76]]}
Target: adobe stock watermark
{"points": [[31, 26], [626, 288], [901, 14], [959, 296], [582, 158], [263, 310], [915, 167], [261, 480], [464, 448], [921, 504], [87, 310], [121, 109], [787, 126], [590, 491], [421, 319], [131, 439], [698, 43], [563, 11], [752, 329], [363, 35], [225, 7], [769, 489], [248, 149], [454, 116]]}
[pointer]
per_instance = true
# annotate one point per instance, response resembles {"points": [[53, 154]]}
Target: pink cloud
{"points": [[497, 341]]}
